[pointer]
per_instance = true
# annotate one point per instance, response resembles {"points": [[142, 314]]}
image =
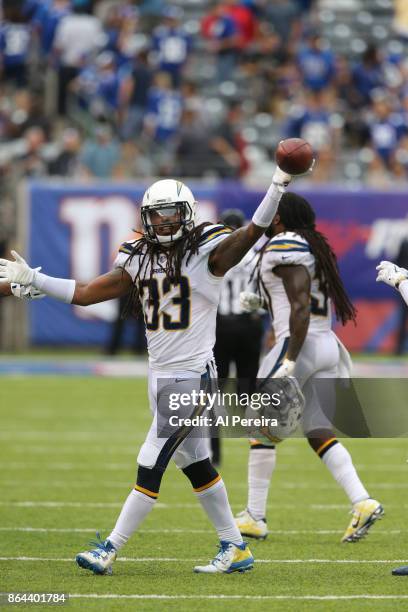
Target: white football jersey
{"points": [[237, 279], [284, 249], [180, 319]]}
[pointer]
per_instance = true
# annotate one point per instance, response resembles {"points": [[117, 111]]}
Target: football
{"points": [[294, 156]]}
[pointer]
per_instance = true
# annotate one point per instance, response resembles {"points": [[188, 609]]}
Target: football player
{"points": [[299, 281], [175, 272], [396, 277], [238, 334]]}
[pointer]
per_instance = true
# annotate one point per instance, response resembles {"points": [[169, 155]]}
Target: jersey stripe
{"points": [[207, 237], [126, 247], [289, 241], [287, 247]]}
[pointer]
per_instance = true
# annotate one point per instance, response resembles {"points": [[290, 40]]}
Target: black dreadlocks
{"points": [[149, 254], [297, 215]]}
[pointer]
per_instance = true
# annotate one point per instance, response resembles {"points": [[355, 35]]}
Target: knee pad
{"points": [[148, 455], [148, 481], [201, 474]]}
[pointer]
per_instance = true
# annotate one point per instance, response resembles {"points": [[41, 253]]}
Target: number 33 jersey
{"points": [[180, 318], [285, 249]]}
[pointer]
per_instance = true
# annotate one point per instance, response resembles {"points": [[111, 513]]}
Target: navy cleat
{"points": [[400, 571], [99, 560]]}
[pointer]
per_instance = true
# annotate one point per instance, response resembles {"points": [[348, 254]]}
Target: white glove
{"points": [[17, 271], [391, 274], [249, 301], [286, 369], [281, 178], [26, 293]]}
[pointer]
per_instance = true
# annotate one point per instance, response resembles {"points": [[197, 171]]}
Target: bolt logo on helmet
{"points": [[167, 211]]}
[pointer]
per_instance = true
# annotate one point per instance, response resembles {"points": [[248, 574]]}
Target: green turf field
{"points": [[68, 451]]}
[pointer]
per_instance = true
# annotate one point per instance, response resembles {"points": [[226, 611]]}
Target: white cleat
{"points": [[365, 514], [251, 528], [230, 558], [100, 559]]}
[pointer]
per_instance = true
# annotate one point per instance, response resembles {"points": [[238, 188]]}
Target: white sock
{"points": [[214, 501], [134, 511], [339, 462], [261, 465]]}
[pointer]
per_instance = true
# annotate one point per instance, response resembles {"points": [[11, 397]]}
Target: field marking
{"points": [[238, 597], [231, 485], [67, 435], [84, 466], [165, 506], [158, 505], [186, 560], [277, 532]]}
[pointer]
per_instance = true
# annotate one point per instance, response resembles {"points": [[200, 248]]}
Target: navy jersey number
{"points": [[319, 301], [152, 314]]}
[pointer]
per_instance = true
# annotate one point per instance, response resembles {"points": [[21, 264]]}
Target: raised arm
{"points": [[233, 248], [296, 281], [106, 287]]}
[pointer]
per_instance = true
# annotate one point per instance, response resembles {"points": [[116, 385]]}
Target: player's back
{"points": [[291, 249]]}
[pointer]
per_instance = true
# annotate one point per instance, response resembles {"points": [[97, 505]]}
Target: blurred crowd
{"points": [[122, 89]]}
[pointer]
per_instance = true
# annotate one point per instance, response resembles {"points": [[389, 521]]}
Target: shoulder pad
{"points": [[288, 241], [127, 247], [213, 231]]}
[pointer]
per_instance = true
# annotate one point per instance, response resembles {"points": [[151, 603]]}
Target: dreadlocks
{"points": [[150, 256], [297, 215]]}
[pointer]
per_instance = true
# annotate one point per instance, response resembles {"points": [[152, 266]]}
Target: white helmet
{"points": [[168, 198]]}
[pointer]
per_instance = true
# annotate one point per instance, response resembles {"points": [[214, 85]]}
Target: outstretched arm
{"points": [[106, 287], [233, 248], [112, 285]]}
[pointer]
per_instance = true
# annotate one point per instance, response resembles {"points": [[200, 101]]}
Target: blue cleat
{"points": [[400, 571], [100, 559]]}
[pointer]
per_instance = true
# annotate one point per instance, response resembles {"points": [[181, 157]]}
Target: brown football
{"points": [[294, 155]]}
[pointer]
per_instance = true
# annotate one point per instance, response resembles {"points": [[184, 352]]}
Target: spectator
{"points": [[316, 63], [315, 122], [164, 109], [227, 145], [33, 162], [46, 18], [283, 16], [107, 102], [386, 127], [171, 44], [66, 163], [243, 13], [368, 74], [220, 29], [134, 94], [77, 36], [129, 40], [15, 41], [100, 156], [194, 155]]}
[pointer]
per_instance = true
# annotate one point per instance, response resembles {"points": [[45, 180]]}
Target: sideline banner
{"points": [[75, 231]]}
